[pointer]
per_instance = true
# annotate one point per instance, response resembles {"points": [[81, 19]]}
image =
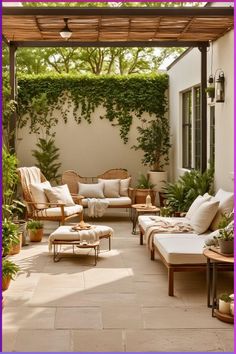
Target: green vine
{"points": [[120, 95]]}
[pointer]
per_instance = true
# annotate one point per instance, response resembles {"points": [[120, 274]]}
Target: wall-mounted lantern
{"points": [[220, 87]]}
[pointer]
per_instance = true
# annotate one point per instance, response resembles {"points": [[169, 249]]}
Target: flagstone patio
{"points": [[119, 305]]}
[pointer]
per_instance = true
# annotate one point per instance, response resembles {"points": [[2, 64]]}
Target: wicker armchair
{"points": [[54, 211]]}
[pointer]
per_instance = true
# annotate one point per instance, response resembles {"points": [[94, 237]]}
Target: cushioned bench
{"points": [[125, 197]]}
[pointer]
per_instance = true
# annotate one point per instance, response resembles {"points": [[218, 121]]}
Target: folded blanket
{"points": [[164, 226], [97, 207]]}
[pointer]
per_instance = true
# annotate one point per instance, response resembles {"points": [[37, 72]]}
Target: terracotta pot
{"points": [[5, 283], [141, 195], [226, 246], [224, 307], [36, 235], [15, 249]]}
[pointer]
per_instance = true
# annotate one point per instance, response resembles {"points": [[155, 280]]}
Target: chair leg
{"points": [[170, 282], [109, 238], [152, 254]]}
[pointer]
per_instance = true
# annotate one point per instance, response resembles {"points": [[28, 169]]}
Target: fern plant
{"points": [[46, 157]]}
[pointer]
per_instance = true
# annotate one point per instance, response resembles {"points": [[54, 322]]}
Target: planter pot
{"points": [[231, 306], [141, 195], [5, 283], [22, 228], [36, 235], [226, 246], [15, 249], [224, 307]]}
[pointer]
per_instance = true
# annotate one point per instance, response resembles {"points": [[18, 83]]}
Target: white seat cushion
{"points": [[226, 205], [126, 201], [146, 221], [38, 193], [181, 248], [70, 210], [94, 190], [111, 187], [60, 194]]}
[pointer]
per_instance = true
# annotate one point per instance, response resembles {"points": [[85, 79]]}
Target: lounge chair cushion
{"points": [[203, 216], [122, 201], [38, 193], [94, 190], [146, 221], [60, 194], [70, 210], [196, 204], [226, 205], [181, 248], [124, 186], [111, 187]]}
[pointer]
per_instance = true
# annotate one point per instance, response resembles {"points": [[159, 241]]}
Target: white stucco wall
{"points": [[185, 74], [89, 149]]}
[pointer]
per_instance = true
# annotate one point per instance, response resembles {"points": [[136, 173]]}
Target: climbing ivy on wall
{"points": [[39, 96]]}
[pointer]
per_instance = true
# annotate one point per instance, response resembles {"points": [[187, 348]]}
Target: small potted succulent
{"points": [[35, 229], [224, 303], [225, 238], [9, 270], [144, 188]]}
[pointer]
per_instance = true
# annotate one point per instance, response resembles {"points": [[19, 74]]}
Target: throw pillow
{"points": [[91, 190], [196, 204], [38, 194], [124, 186], [203, 216], [226, 206], [111, 187], [60, 194]]}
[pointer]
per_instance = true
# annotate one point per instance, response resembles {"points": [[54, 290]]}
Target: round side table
{"points": [[141, 209]]}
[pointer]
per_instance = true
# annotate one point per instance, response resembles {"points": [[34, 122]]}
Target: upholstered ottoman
{"points": [[65, 235]]}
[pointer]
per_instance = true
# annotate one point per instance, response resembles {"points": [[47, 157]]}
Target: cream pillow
{"points": [[203, 216], [226, 206], [91, 190], [111, 187], [38, 194], [124, 186], [196, 204], [60, 194]]}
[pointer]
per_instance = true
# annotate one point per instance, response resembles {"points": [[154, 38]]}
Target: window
{"points": [[212, 136], [197, 129], [187, 129]]}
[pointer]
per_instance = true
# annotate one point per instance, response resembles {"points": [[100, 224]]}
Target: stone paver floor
{"points": [[119, 305]]}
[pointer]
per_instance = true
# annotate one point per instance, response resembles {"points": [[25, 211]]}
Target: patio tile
{"points": [[55, 297], [122, 317], [72, 318], [43, 341], [25, 317], [9, 339], [101, 299], [17, 297], [179, 317], [61, 281], [99, 341], [170, 340], [226, 338]]}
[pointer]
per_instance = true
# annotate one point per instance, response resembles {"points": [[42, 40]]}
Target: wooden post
{"points": [[12, 71], [203, 51]]}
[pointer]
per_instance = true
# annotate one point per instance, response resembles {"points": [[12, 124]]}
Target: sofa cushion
{"points": [[70, 210], [196, 204], [226, 205], [91, 190], [60, 194], [38, 193], [111, 187], [146, 221], [202, 218], [121, 201], [181, 248], [124, 187]]}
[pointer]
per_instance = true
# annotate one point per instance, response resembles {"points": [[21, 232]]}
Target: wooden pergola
{"points": [[118, 27]]}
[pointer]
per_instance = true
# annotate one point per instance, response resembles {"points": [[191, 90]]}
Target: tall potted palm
{"points": [[154, 141]]}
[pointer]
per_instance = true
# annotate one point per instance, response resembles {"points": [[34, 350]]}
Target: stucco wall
{"points": [[185, 74], [90, 149]]}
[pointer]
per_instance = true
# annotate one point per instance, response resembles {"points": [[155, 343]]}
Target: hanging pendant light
{"points": [[66, 33]]}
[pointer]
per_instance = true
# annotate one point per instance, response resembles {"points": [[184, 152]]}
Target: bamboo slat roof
{"points": [[130, 25]]}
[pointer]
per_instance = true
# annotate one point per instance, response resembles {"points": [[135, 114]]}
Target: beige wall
{"points": [[186, 74], [90, 149]]}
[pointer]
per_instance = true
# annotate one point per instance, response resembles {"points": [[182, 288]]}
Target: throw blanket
{"points": [[66, 233], [97, 207], [164, 226]]}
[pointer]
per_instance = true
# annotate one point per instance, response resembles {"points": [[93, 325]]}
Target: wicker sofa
{"points": [[72, 179]]}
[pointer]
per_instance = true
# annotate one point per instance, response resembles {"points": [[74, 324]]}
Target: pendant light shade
{"points": [[66, 32]]}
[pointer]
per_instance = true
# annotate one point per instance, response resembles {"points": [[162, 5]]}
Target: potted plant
{"points": [[210, 90], [224, 303], [144, 188], [10, 238], [225, 238], [35, 228], [9, 270], [154, 141]]}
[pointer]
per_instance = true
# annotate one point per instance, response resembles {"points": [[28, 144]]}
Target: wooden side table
{"points": [[141, 209], [215, 261]]}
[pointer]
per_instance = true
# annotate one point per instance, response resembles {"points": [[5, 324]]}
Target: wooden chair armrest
{"points": [[77, 198], [56, 204]]}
